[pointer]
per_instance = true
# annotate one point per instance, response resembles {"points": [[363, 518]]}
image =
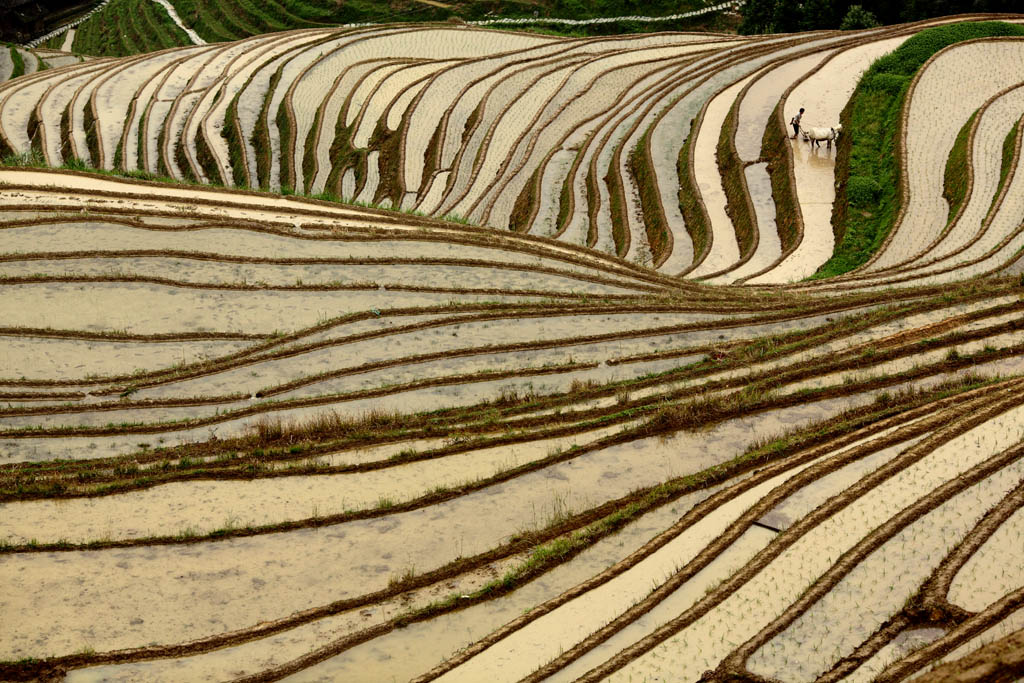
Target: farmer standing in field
{"points": [[795, 122]]}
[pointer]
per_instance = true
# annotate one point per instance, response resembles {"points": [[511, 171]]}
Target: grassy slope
{"points": [[868, 197], [111, 32], [737, 195], [127, 27], [954, 182]]}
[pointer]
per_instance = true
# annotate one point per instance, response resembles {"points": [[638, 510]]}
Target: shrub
{"points": [[857, 17], [863, 191]]}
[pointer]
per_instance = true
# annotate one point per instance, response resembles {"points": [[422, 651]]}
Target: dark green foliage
{"points": [[720, 22], [856, 18], [778, 16], [815, 13], [758, 17], [866, 153]]}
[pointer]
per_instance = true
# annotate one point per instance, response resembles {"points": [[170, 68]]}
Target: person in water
{"points": [[795, 122]]}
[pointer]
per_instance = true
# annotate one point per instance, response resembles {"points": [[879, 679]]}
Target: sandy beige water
{"points": [[308, 567], [204, 506], [156, 308], [67, 359], [275, 650], [400, 653], [745, 611], [879, 586]]}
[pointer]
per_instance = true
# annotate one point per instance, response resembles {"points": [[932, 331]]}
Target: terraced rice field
{"points": [[597, 428], [19, 61], [661, 149]]}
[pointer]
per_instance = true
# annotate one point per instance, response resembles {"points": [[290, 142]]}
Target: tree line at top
{"points": [[786, 16]]}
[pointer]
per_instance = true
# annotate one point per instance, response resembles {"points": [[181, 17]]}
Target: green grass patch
{"points": [[641, 166], [286, 146], [343, 157], [140, 137], [106, 33], [309, 161], [54, 43], [954, 180], [207, 162], [232, 132], [92, 141], [775, 149], [592, 195], [388, 144], [566, 201], [692, 208], [523, 210], [260, 138], [617, 208], [19, 62], [735, 185]]}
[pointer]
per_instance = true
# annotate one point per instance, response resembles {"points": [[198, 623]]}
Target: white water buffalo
{"points": [[816, 134]]}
